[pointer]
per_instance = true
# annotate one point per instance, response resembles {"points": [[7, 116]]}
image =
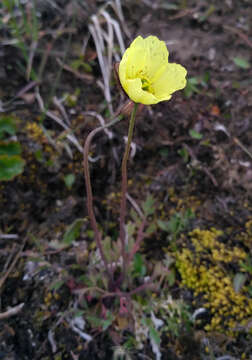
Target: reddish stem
{"points": [[90, 209], [124, 191]]}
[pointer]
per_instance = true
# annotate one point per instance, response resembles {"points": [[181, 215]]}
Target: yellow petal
{"points": [[156, 55], [123, 68], [146, 55], [135, 59], [133, 88], [173, 78], [145, 73]]}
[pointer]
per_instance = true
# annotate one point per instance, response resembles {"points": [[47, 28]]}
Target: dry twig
{"points": [[201, 167], [11, 311], [13, 264], [70, 136]]}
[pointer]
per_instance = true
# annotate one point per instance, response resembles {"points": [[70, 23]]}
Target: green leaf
{"points": [[242, 63], [177, 223], [205, 78], [151, 228], [9, 4], [195, 135], [247, 266], [10, 148], [97, 322], [191, 87], [171, 277], [38, 155], [148, 205], [86, 280], [163, 225], [73, 231], [106, 324], [69, 180], [189, 214], [184, 154], [174, 225], [207, 13], [239, 281], [79, 63], [154, 335], [193, 81], [56, 285], [139, 267], [94, 320], [10, 166], [90, 234], [7, 126]]}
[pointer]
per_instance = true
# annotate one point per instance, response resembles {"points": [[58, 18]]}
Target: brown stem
{"points": [[140, 288], [124, 190], [90, 196]]}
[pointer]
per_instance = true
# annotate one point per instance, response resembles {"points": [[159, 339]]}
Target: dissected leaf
{"points": [[154, 335], [98, 322], [152, 331], [171, 277], [177, 222], [148, 205], [139, 267], [151, 228], [73, 231], [57, 285], [163, 225], [174, 224]]}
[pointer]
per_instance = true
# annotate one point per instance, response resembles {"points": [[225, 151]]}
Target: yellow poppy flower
{"points": [[145, 73]]}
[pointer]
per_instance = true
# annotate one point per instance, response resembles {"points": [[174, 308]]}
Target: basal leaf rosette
{"points": [[145, 73]]}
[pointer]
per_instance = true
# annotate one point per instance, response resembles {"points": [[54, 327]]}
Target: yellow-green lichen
{"points": [[35, 132], [204, 268]]}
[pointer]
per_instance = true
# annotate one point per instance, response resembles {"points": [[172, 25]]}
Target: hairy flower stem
{"points": [[124, 192], [90, 208]]}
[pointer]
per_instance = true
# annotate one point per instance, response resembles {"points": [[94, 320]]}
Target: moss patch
{"points": [[205, 267]]}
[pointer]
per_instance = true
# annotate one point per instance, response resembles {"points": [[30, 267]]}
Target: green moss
{"points": [[204, 269]]}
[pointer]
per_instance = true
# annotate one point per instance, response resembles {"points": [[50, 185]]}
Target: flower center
{"points": [[146, 83]]}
